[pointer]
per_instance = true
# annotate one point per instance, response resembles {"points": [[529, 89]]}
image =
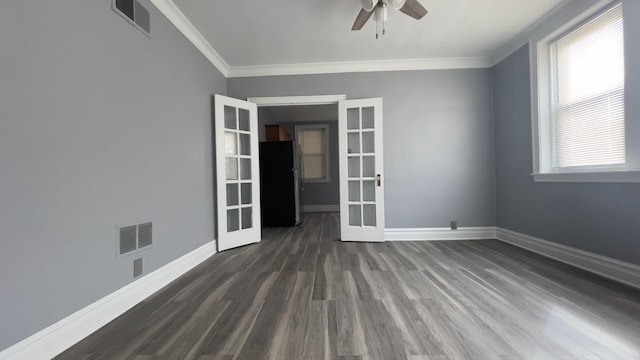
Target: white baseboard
{"points": [[320, 208], [610, 268], [60, 336], [439, 234]]}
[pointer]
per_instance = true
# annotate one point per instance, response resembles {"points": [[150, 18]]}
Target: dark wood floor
{"points": [[301, 294]]}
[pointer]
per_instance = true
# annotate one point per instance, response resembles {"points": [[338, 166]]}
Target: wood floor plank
{"points": [[382, 337], [289, 337], [302, 294], [316, 343]]}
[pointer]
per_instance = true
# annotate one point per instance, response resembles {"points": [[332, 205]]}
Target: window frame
{"points": [[541, 124], [325, 127]]}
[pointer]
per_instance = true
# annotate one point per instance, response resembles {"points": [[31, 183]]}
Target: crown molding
{"points": [[560, 13], [360, 66], [171, 11]]}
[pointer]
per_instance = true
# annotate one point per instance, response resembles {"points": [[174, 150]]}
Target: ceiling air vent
{"points": [[135, 13], [135, 237]]}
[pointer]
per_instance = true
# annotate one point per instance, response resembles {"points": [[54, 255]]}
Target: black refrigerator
{"points": [[279, 183]]}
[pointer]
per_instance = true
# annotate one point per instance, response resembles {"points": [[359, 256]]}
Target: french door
{"points": [[237, 172], [361, 170]]}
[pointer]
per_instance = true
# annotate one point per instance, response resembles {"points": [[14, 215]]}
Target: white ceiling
{"points": [[277, 32]]}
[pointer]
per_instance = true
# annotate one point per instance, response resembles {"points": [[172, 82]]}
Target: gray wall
{"points": [[438, 145], [100, 126], [597, 217]]}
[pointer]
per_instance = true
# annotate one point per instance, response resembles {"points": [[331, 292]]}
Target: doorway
{"points": [[360, 160], [314, 130]]}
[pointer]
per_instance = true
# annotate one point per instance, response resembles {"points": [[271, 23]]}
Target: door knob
{"points": [[378, 180]]}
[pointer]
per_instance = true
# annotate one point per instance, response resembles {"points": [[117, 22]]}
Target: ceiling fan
{"points": [[410, 7]]}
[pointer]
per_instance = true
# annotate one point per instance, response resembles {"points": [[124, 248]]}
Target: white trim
{"points": [[60, 336], [228, 239], [374, 231], [321, 208], [610, 268], [360, 66], [297, 100], [565, 17], [602, 177], [439, 234], [169, 9]]}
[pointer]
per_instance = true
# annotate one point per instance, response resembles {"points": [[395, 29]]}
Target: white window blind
{"points": [[587, 82], [313, 146]]}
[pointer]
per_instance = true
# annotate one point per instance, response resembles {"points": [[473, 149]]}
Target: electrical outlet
{"points": [[454, 225]]}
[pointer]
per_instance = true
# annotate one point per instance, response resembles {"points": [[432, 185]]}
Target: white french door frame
{"points": [[244, 211], [297, 100], [361, 170], [369, 234]]}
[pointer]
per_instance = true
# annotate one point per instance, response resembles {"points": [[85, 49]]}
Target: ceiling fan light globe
{"points": [[381, 14], [368, 5]]}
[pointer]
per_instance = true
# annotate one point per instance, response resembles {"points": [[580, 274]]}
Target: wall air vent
{"points": [[144, 234], [137, 267], [134, 13], [135, 237], [128, 239]]}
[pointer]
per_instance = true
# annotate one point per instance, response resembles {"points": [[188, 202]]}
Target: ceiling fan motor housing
{"points": [[397, 4], [368, 5]]}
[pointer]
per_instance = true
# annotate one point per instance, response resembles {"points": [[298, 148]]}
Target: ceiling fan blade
{"points": [[414, 9], [361, 19]]}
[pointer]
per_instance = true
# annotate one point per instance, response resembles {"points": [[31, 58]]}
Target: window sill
{"points": [[622, 176]]}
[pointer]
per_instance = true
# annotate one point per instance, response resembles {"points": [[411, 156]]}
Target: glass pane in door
{"points": [[233, 220], [369, 190], [354, 190], [246, 217], [368, 166], [245, 144], [353, 143], [353, 119], [354, 166], [368, 140], [232, 168], [232, 194], [230, 143], [230, 117], [245, 169], [367, 118], [243, 119], [369, 215], [246, 193], [355, 215]]}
